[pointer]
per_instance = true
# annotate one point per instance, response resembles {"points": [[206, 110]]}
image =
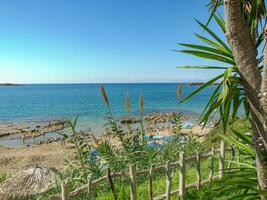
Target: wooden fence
{"points": [[132, 174]]}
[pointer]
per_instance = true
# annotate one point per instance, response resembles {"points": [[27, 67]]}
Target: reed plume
{"points": [[141, 103], [141, 109], [104, 95], [127, 104], [179, 90]]}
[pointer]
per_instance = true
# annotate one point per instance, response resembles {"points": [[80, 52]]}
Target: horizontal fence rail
{"points": [[132, 175]]}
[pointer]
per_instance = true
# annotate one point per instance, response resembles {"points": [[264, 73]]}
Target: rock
{"points": [[36, 129]]}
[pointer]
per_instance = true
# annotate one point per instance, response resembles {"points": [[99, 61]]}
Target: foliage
{"points": [[133, 149], [213, 138], [226, 100], [82, 164], [242, 176], [177, 119], [254, 13], [122, 147], [3, 177], [228, 94]]}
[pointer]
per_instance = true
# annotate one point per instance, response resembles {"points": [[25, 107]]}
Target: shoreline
{"points": [[30, 132], [54, 154]]}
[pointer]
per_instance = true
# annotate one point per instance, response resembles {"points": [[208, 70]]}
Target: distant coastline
{"points": [[198, 84], [9, 84]]}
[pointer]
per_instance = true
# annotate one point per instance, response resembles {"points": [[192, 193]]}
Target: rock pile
{"points": [[159, 117], [32, 129]]}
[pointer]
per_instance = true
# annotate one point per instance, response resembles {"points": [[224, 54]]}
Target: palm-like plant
{"points": [[242, 175], [228, 95]]}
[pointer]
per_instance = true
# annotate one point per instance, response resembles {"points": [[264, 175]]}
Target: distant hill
{"points": [[198, 84], [9, 84]]}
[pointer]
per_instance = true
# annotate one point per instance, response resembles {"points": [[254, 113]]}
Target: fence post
{"points": [[111, 184], [150, 190], [237, 156], [133, 182], [212, 164], [221, 160], [232, 156], [65, 190], [198, 170], [181, 175], [168, 181], [90, 187]]}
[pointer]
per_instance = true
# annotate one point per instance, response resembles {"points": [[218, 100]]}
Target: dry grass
{"points": [[35, 180], [13, 160]]}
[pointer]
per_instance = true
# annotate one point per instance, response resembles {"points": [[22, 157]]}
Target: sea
{"points": [[31, 102]]}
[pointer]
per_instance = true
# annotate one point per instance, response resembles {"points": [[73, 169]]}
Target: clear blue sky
{"points": [[73, 41]]}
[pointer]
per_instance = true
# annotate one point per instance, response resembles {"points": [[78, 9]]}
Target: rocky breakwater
{"points": [[159, 117], [33, 128]]}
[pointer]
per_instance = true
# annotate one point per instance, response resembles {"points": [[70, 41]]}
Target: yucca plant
{"points": [[229, 94], [242, 175], [245, 22]]}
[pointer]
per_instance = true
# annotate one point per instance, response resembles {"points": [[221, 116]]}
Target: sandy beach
{"points": [[53, 154], [13, 160]]}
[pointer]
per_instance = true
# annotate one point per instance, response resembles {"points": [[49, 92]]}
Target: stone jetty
{"points": [[32, 129], [159, 117]]}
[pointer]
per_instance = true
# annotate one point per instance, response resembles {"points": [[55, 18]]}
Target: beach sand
{"points": [[12, 160], [53, 154]]}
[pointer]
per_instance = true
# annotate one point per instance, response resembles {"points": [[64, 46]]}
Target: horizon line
{"points": [[101, 83]]}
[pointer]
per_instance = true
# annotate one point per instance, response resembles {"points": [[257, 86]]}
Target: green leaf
{"points": [[203, 54], [225, 115], [71, 124], [201, 67], [210, 82], [214, 5], [220, 22], [243, 137], [241, 145], [211, 43], [244, 164], [208, 49], [75, 120], [212, 34]]}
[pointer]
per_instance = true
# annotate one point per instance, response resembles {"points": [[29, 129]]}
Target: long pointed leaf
{"points": [[211, 33], [209, 49], [201, 67], [201, 88], [203, 54]]}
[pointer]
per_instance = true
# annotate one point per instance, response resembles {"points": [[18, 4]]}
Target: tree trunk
{"points": [[244, 52], [263, 96]]}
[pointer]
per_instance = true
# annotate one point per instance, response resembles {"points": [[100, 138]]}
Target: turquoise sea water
{"points": [[49, 101]]}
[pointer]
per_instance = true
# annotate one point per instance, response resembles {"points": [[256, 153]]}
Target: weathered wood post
{"points": [[221, 160], [168, 181], [212, 164], [90, 187], [111, 184], [181, 176], [150, 190], [237, 156], [232, 156], [198, 170], [65, 190], [23, 139], [132, 171]]}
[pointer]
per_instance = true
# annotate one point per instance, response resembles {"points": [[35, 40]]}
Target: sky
{"points": [[92, 41]]}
